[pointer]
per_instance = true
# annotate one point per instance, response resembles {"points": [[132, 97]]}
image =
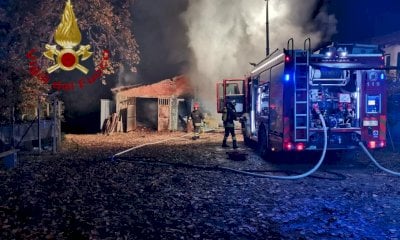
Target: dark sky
{"points": [[161, 36], [163, 43], [362, 19]]}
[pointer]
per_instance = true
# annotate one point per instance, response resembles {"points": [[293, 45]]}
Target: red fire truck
{"points": [[279, 100]]}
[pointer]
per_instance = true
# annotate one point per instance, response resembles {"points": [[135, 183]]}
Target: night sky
{"points": [[362, 19], [166, 45]]}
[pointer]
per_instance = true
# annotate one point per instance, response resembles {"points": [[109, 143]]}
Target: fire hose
{"points": [[376, 162], [311, 171], [293, 177], [248, 172], [145, 144]]}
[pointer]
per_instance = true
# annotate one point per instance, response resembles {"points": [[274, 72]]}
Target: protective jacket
{"points": [[197, 117], [228, 116]]}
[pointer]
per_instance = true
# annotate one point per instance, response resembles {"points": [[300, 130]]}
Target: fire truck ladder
{"points": [[301, 100]]}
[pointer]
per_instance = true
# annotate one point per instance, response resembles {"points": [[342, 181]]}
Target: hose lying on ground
{"points": [[146, 144], [294, 176], [376, 162], [248, 172]]}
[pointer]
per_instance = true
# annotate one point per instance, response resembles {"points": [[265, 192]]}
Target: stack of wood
{"points": [[110, 124]]}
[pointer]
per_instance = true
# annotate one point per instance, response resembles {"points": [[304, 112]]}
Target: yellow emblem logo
{"points": [[67, 36]]}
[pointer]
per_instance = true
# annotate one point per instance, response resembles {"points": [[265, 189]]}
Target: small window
{"points": [[233, 89]]}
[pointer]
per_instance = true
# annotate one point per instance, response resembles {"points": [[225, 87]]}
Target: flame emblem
{"points": [[67, 36]]}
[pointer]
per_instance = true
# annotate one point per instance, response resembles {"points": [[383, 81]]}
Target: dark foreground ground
{"points": [[81, 194]]}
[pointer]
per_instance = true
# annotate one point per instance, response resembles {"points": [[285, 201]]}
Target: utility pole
{"points": [[266, 28]]}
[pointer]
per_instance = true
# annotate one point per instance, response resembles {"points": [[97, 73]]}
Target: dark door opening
{"points": [[183, 112], [147, 113]]}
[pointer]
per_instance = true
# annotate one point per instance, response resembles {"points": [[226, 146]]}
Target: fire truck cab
{"points": [[279, 99]]}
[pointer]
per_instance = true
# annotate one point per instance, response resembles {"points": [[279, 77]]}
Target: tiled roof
{"points": [[177, 86]]}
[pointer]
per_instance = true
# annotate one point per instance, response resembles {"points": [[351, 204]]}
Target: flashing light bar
{"points": [[343, 54], [328, 54]]}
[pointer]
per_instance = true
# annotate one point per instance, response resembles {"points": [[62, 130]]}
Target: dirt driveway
{"points": [[177, 190]]}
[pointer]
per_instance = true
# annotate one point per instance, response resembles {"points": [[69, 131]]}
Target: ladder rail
{"points": [[301, 89]]}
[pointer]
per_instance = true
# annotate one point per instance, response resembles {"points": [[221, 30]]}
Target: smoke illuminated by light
{"points": [[225, 35]]}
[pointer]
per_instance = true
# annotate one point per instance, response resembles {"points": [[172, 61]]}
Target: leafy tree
{"points": [[31, 24]]}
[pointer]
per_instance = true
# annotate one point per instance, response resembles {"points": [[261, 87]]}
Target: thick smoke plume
{"points": [[161, 35], [225, 35]]}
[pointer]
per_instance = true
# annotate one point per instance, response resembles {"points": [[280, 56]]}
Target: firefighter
{"points": [[228, 117], [197, 118]]}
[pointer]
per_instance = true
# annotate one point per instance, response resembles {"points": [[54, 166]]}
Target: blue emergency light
{"points": [[287, 77]]}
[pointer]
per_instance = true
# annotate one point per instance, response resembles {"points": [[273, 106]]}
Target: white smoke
{"points": [[225, 35], [125, 77]]}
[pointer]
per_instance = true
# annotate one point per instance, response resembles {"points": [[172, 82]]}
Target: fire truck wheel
{"points": [[247, 141]]}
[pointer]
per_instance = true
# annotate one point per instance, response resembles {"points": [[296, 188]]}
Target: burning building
{"points": [[160, 106]]}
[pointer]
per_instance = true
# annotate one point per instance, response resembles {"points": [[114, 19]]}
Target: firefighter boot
{"points": [[235, 144], [224, 145]]}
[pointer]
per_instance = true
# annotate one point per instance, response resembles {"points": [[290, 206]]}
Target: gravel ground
{"points": [[175, 190]]}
